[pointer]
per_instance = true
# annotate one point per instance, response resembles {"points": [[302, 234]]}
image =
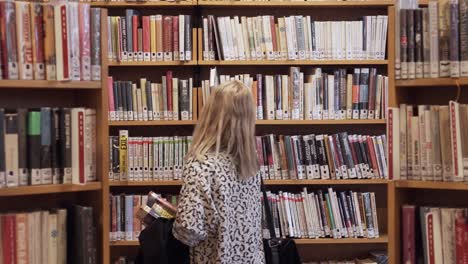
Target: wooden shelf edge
{"points": [[267, 182], [258, 122], [431, 185], [152, 63], [43, 84], [432, 82], [296, 3], [294, 62], [299, 241], [117, 4], [50, 188]]}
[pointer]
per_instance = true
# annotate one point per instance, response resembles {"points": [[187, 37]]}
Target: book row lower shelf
{"points": [[383, 239], [258, 122], [247, 62]]}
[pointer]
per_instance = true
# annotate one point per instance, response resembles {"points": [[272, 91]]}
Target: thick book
{"points": [[34, 144], [46, 145], [11, 150]]}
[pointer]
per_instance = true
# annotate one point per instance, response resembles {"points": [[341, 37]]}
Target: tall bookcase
{"points": [[42, 93], [321, 10]]}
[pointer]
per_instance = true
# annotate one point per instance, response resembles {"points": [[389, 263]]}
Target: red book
{"points": [[335, 154], [38, 40], [408, 237], [175, 38], [81, 146], [430, 237], [390, 143], [167, 38], [353, 150], [8, 41], [169, 93], [273, 35], [146, 38], [373, 157], [461, 238], [9, 238], [66, 63], [135, 34]]}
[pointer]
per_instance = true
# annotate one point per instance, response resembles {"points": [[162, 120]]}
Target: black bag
{"points": [[277, 250]]}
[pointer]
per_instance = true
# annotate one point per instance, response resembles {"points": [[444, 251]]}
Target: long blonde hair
{"points": [[227, 124]]}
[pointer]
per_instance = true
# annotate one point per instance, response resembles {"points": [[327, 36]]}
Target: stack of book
{"points": [[320, 215], [434, 234], [147, 158], [44, 41], [136, 37], [47, 146], [358, 93], [431, 142], [171, 99], [336, 156], [126, 209], [293, 38], [431, 42], [41, 236]]}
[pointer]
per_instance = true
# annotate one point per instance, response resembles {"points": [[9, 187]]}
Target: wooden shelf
{"points": [[383, 239], [267, 182], [43, 84], [294, 4], [153, 123], [151, 63], [123, 243], [258, 122], [145, 183], [47, 189], [294, 62], [158, 4], [403, 184], [423, 2], [300, 241], [431, 82]]}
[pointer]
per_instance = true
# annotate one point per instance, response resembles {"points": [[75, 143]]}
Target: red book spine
{"points": [[353, 150], [175, 32], [38, 40], [273, 33], [453, 129], [3, 40], [461, 238], [169, 91], [430, 238], [9, 238], [390, 144], [409, 252], [135, 34], [81, 146], [335, 153], [114, 218], [146, 35], [167, 36], [372, 154], [66, 65]]}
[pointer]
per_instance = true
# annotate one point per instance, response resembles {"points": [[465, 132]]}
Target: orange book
{"points": [[167, 38], [159, 38]]}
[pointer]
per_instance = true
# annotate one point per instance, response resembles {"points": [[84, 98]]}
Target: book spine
{"points": [[95, 44], [38, 39], [454, 39], [418, 39], [463, 4], [85, 41], [24, 41], [444, 38]]}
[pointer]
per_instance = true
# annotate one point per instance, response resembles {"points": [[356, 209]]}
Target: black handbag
{"points": [[277, 250]]}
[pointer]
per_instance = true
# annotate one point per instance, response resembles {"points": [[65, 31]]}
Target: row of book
{"points": [[170, 99], [434, 234], [323, 214], [335, 156], [50, 41], [293, 38], [58, 236], [147, 158], [136, 37], [47, 146], [129, 210], [358, 93], [374, 257], [430, 142], [433, 40]]}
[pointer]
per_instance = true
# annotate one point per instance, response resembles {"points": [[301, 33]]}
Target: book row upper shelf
{"points": [[39, 42]]}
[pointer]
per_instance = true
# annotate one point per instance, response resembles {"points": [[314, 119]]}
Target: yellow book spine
{"points": [[153, 37], [123, 146]]}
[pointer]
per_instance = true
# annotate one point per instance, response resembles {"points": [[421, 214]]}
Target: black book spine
{"points": [[128, 92], [278, 96], [46, 145], [339, 150], [325, 92], [418, 38], [123, 22], [411, 43], [115, 157], [343, 91], [337, 97], [22, 146], [118, 98], [149, 98], [404, 43], [57, 177], [2, 147], [364, 91], [260, 111], [123, 96], [188, 37]]}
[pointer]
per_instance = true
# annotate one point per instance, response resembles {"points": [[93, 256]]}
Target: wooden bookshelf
{"points": [[431, 82], [267, 182], [258, 122], [39, 84], [383, 239], [50, 188], [431, 185], [293, 62], [136, 4], [295, 4]]}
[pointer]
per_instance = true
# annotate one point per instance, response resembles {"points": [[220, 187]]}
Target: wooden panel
{"points": [[337, 251], [39, 84], [50, 188], [432, 185], [426, 82]]}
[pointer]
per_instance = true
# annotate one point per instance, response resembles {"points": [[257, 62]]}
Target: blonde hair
{"points": [[227, 124]]}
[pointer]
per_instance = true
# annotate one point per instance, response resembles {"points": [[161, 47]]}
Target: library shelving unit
{"points": [[324, 10], [42, 93]]}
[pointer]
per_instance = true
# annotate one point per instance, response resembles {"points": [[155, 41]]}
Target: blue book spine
{"points": [[128, 217]]}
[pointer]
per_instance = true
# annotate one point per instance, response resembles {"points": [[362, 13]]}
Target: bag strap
{"points": [[268, 215]]}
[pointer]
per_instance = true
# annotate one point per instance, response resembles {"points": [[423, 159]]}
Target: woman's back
{"points": [[219, 215]]}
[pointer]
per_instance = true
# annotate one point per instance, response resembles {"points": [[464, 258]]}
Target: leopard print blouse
{"points": [[219, 216]]}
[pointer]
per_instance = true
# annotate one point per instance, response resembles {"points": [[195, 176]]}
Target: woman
{"points": [[219, 212]]}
